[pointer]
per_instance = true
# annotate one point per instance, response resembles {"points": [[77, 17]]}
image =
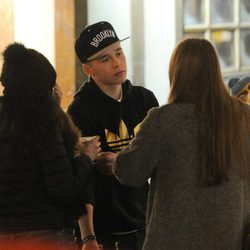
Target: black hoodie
{"points": [[118, 208]]}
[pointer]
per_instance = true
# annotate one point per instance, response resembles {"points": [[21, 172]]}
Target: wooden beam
{"points": [[64, 48]]}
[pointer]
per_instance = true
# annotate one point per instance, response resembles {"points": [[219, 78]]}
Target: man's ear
{"points": [[87, 69]]}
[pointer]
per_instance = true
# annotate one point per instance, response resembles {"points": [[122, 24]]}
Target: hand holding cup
{"points": [[91, 146]]}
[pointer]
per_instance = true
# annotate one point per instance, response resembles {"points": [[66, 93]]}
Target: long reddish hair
{"points": [[195, 77]]}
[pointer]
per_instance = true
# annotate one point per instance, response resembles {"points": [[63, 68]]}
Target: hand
{"points": [[57, 94], [91, 148], [105, 162], [91, 245]]}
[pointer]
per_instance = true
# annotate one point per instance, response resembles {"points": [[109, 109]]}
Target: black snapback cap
{"points": [[94, 38]]}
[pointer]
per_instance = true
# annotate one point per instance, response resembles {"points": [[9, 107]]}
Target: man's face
{"points": [[108, 66]]}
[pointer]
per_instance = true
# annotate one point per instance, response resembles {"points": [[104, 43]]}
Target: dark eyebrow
{"points": [[98, 58], [101, 57], [118, 49]]}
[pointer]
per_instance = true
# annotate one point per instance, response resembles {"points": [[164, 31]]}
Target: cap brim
{"points": [[124, 39], [94, 57]]}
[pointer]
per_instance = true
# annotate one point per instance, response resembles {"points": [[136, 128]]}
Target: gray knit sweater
{"points": [[183, 214]]}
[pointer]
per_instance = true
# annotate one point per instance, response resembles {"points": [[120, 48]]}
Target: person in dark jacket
{"points": [[109, 106], [46, 174]]}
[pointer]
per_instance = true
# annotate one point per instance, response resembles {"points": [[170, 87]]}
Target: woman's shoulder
{"points": [[173, 109], [171, 116]]}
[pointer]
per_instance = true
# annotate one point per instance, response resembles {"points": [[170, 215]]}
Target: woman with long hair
{"points": [[46, 176], [196, 151]]}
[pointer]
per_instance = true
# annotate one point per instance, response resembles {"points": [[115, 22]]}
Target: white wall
{"points": [[160, 38], [34, 25]]}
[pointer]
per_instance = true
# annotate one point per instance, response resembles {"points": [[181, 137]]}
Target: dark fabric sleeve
{"points": [[75, 113], [82, 120], [66, 180], [82, 116], [152, 101], [85, 175], [135, 164]]}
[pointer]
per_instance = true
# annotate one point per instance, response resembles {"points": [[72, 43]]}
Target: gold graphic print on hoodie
{"points": [[118, 142]]}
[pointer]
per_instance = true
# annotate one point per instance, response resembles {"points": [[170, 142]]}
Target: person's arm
{"points": [[90, 148], [105, 162], [135, 164], [87, 230], [64, 178]]}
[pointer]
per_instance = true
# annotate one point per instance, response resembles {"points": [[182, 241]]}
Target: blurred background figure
{"points": [[240, 88]]}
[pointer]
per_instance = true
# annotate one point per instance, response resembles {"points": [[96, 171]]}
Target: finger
{"points": [[102, 155], [96, 138]]}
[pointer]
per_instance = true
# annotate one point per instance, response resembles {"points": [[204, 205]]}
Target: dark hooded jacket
{"points": [[118, 208]]}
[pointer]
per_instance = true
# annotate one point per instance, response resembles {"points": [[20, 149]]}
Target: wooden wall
{"points": [[65, 59], [65, 62]]}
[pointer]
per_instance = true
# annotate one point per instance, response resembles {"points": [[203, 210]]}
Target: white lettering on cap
{"points": [[101, 36]]}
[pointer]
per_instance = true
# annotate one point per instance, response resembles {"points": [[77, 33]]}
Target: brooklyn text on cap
{"points": [[94, 38]]}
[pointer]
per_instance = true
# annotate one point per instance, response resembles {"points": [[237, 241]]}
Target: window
{"points": [[226, 23]]}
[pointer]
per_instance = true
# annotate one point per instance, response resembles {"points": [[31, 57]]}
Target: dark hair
{"points": [[26, 72], [195, 77], [29, 110]]}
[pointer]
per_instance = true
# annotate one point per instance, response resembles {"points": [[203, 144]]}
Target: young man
{"points": [[108, 105]]}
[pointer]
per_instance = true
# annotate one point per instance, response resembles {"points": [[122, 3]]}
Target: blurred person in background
{"points": [[240, 88]]}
